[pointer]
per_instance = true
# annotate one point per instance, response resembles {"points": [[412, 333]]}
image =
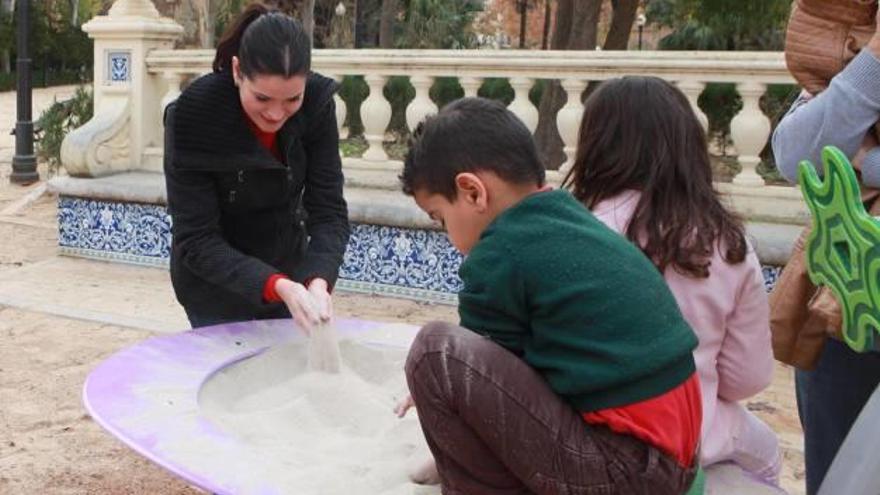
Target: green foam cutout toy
{"points": [[843, 249]]}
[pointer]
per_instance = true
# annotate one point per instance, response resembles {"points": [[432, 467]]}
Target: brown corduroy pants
{"points": [[495, 427]]}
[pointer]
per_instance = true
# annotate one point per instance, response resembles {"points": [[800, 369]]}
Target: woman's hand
{"points": [[320, 291], [303, 306]]}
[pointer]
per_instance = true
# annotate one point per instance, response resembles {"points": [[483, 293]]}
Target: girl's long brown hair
{"points": [[640, 133]]}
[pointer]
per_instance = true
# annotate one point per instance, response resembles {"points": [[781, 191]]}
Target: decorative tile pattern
{"points": [[411, 263], [124, 229], [417, 264], [118, 67], [420, 259], [771, 276]]}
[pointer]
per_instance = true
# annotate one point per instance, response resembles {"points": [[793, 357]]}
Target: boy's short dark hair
{"points": [[470, 135]]}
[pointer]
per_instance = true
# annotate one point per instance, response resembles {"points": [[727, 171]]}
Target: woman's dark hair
{"points": [[266, 42], [640, 133]]}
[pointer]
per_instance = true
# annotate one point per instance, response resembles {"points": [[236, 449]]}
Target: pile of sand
{"points": [[308, 432]]}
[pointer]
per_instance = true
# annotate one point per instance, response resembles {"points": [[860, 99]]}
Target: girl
{"points": [[255, 181], [642, 167]]}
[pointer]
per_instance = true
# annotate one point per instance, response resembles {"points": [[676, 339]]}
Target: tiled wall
{"points": [[419, 264]]}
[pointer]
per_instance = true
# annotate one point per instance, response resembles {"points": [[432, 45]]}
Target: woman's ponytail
{"points": [[266, 42], [230, 42]]}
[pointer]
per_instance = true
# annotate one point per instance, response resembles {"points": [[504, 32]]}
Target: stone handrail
{"points": [[750, 71]]}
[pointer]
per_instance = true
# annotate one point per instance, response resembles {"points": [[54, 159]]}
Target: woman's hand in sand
{"points": [[320, 291], [404, 405], [300, 302]]}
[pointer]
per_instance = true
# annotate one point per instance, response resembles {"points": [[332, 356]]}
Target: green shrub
{"points": [[721, 103], [59, 119], [354, 91], [43, 79], [496, 88], [398, 92], [775, 103]]}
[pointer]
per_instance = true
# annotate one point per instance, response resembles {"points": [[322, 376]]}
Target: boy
{"points": [[586, 383]]}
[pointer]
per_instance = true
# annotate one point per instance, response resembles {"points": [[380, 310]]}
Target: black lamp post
{"points": [[24, 163], [641, 20]]}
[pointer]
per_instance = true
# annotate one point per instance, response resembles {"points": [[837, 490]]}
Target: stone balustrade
{"points": [[691, 71], [752, 72]]}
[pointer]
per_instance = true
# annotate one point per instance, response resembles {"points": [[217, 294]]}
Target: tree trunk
{"points": [[523, 19], [546, 34], [360, 23], [621, 24], [577, 25], [386, 23], [308, 18], [585, 25], [6, 7], [205, 23], [74, 13], [564, 11]]}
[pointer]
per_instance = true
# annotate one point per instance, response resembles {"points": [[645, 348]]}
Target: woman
{"points": [[833, 382], [255, 181]]}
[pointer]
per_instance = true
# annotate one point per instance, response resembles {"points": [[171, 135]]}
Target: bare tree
{"points": [[577, 27], [523, 7], [545, 38], [74, 13], [6, 7], [308, 18], [204, 22], [621, 24], [386, 23]]}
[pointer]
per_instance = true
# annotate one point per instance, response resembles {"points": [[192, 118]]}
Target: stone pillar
{"points": [[568, 120], [422, 105], [124, 125], [521, 105], [375, 114], [470, 85], [749, 131]]}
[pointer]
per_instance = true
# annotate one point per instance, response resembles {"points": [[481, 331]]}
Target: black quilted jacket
{"points": [[239, 215]]}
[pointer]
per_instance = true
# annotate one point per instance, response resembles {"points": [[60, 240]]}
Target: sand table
{"points": [[313, 432]]}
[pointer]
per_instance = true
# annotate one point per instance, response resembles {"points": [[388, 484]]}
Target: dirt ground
{"points": [[48, 443]]}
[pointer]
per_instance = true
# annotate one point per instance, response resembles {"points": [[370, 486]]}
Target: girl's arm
{"points": [[745, 363]]}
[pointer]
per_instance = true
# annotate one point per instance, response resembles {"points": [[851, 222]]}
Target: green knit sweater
{"points": [[578, 302]]}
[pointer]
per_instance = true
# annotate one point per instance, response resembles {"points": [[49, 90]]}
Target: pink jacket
{"points": [[729, 313]]}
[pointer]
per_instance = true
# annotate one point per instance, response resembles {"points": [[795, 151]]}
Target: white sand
{"points": [[324, 349], [310, 432]]}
